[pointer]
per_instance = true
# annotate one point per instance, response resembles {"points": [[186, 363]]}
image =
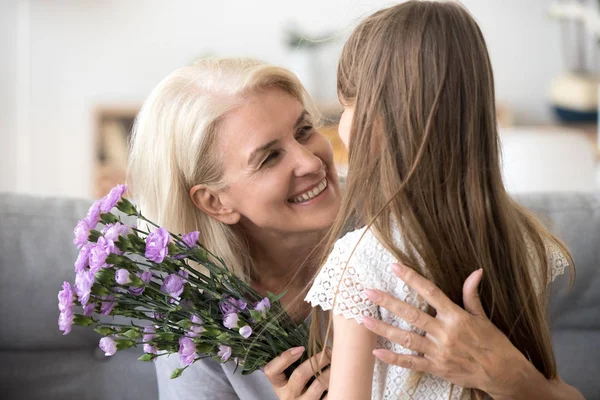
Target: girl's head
{"points": [[417, 86], [229, 147]]}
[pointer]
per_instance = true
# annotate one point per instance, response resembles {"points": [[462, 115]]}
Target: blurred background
{"points": [[73, 74]]}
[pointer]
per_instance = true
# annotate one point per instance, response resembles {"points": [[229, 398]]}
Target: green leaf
{"points": [[123, 344], [104, 330], [108, 218], [177, 373], [274, 297], [185, 323], [94, 235], [256, 315], [204, 348], [81, 320], [125, 206], [147, 357], [106, 276], [100, 290], [132, 334]]}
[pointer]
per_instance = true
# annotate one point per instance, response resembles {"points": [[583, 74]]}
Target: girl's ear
{"points": [[209, 202]]}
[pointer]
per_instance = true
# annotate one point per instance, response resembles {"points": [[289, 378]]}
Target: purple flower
{"points": [[246, 331], [191, 238], [196, 329], [230, 321], [81, 233], [108, 346], [224, 352], [122, 277], [107, 305], [263, 306], [84, 280], [187, 350], [112, 198], [148, 348], [65, 298], [65, 321], [172, 285], [88, 310], [158, 316], [156, 245], [82, 258], [113, 231], [99, 252], [93, 216], [230, 305], [145, 277], [148, 336]]}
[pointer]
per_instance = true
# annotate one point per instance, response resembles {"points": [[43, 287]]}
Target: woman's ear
{"points": [[209, 202]]}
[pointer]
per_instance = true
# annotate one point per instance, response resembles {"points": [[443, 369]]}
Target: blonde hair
{"points": [[172, 146], [424, 146]]}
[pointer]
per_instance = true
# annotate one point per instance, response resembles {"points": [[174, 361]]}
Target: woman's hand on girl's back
{"points": [[296, 386], [461, 346]]}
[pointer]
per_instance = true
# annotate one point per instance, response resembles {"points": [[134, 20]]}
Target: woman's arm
{"points": [[463, 346], [202, 380], [352, 360]]}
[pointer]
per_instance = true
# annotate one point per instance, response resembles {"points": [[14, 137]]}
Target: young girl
{"points": [[425, 185]]}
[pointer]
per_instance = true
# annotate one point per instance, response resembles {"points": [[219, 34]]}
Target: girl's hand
{"points": [[295, 387], [460, 346]]}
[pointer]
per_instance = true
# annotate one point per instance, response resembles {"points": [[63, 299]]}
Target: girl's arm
{"points": [[352, 360]]}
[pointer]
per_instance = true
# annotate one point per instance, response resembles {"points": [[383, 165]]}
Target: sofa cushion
{"points": [[575, 312], [36, 255]]}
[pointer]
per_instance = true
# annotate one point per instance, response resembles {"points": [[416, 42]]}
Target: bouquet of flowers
{"points": [[151, 277]]}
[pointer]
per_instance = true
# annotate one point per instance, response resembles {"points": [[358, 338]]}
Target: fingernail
{"points": [[398, 268], [378, 353], [297, 350], [373, 295], [369, 322]]}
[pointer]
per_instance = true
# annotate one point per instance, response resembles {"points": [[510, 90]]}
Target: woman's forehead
{"points": [[264, 117]]}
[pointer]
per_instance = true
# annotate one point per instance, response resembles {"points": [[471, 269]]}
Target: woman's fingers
{"points": [[304, 372], [431, 293], [318, 386], [408, 340], [404, 311], [274, 370], [416, 363], [471, 298]]}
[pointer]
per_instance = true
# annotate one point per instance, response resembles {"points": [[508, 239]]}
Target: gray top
{"points": [[208, 379]]}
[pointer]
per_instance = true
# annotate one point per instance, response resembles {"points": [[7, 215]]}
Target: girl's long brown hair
{"points": [[424, 146]]}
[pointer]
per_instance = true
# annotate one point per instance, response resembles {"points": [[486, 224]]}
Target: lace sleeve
{"points": [[557, 263], [339, 287]]}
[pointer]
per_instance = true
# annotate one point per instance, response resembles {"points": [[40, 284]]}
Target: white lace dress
{"points": [[370, 268]]}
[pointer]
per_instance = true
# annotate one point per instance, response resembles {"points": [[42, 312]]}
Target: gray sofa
{"points": [[36, 255]]}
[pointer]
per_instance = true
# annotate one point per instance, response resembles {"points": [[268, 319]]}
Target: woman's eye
{"points": [[305, 132], [270, 158]]}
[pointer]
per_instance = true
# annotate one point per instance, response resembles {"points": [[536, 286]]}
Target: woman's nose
{"points": [[307, 162]]}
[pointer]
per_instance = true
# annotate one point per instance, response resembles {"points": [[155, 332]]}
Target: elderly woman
{"points": [[230, 147]]}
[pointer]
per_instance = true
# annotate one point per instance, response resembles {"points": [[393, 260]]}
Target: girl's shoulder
{"points": [[358, 261]]}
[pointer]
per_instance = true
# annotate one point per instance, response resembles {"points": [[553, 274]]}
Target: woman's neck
{"points": [[286, 264]]}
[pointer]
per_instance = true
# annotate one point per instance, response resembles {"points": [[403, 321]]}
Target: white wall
{"points": [[8, 91], [78, 54]]}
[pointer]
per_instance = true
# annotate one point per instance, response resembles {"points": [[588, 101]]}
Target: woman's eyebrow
{"points": [[301, 118], [259, 150]]}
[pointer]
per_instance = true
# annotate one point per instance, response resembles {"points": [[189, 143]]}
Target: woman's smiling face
{"points": [[278, 170]]}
